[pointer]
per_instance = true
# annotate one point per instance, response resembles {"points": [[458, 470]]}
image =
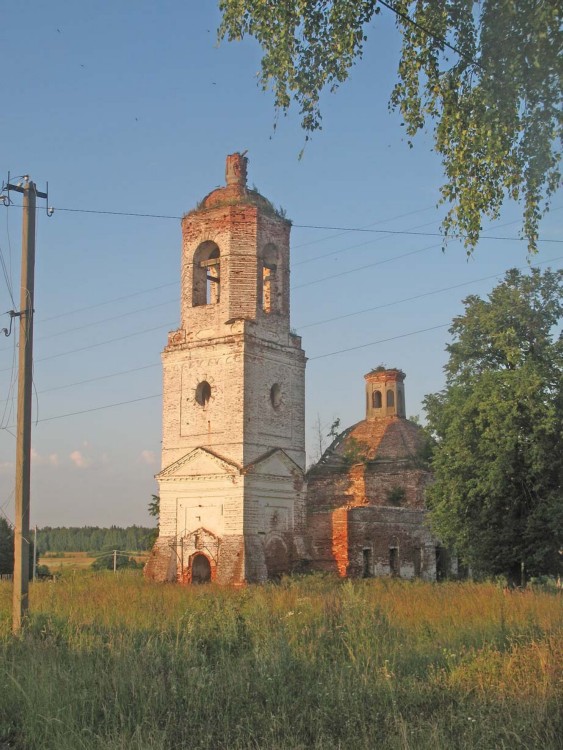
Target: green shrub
{"points": [[105, 561]]}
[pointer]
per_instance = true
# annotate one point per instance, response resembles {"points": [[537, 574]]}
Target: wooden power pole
{"points": [[23, 437]]}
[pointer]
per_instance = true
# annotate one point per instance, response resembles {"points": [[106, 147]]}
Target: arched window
{"points": [[394, 562], [206, 275], [401, 404], [376, 399], [276, 395], [270, 281], [203, 393], [390, 398]]}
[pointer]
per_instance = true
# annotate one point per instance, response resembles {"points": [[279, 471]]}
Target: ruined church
{"points": [[236, 505]]}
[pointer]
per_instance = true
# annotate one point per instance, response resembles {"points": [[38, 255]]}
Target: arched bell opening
{"points": [[206, 275], [269, 283]]}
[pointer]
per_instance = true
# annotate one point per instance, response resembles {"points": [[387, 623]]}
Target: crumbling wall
{"points": [[383, 529]]}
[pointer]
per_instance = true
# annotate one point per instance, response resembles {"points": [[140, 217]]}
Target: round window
{"points": [[276, 395], [203, 393]]}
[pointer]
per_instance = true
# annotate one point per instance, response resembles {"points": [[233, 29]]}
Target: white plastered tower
{"points": [[233, 439]]}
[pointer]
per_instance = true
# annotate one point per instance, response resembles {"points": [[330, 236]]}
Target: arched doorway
{"points": [[277, 559], [201, 569]]}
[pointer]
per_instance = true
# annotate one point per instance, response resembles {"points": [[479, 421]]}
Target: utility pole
{"points": [[23, 435]]}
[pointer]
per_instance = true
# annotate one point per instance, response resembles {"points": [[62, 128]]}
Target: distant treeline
{"points": [[94, 538]]}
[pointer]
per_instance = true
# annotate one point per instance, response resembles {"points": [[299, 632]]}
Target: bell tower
{"points": [[233, 440]]}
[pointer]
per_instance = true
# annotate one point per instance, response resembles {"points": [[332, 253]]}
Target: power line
{"points": [[418, 296], [316, 281], [8, 519], [107, 341], [101, 377], [98, 408], [7, 271], [437, 38], [302, 327], [362, 244], [366, 265], [98, 322], [101, 343], [307, 325], [174, 283], [162, 304], [369, 242], [93, 380], [380, 221], [376, 263], [418, 234], [116, 213], [7, 411], [151, 289], [108, 302], [7, 277], [316, 357], [348, 271], [345, 249], [379, 341], [159, 395], [299, 328], [311, 226], [105, 320]]}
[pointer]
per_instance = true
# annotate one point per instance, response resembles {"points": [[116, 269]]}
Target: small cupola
{"points": [[385, 393]]}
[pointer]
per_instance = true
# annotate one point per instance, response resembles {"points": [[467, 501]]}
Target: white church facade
{"points": [[232, 502]]}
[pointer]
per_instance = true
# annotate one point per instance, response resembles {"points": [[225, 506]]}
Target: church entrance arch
{"points": [[277, 559], [201, 568]]}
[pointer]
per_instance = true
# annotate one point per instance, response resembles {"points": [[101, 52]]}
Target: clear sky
{"points": [[132, 107]]}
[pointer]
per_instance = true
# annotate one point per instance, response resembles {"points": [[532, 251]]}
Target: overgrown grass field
{"points": [[113, 662]]}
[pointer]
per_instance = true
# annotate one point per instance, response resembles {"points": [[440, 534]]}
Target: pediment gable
{"points": [[274, 463], [199, 462], [201, 532]]}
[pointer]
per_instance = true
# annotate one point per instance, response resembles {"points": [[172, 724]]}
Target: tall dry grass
{"points": [[116, 662]]}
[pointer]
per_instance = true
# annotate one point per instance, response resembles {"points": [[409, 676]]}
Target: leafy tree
{"points": [[6, 547], [122, 561], [43, 571], [334, 427], [91, 538], [486, 76], [154, 506], [154, 511], [498, 424]]}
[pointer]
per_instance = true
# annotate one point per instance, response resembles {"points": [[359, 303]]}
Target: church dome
{"points": [[236, 192], [380, 461], [385, 434], [383, 439]]}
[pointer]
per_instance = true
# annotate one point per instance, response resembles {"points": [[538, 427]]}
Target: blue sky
{"points": [[132, 107]]}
